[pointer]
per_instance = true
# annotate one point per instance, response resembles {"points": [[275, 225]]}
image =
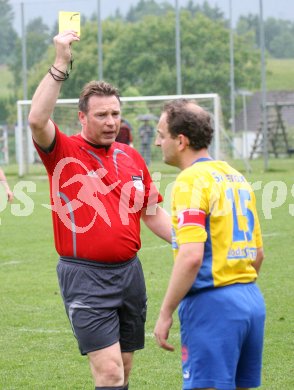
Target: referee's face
{"points": [[100, 125]]}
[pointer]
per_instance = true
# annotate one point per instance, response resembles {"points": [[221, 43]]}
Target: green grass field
{"points": [[279, 74], [37, 347]]}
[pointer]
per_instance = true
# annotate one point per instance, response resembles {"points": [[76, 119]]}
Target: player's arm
{"points": [[185, 270], [47, 92], [259, 259], [159, 223], [5, 184], [259, 244]]}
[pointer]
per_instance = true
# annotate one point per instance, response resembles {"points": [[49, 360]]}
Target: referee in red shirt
{"points": [[99, 189]]}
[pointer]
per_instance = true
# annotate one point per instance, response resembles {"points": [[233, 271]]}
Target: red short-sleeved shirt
{"points": [[97, 196]]}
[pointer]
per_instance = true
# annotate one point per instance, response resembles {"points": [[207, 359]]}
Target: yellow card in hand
{"points": [[70, 21]]}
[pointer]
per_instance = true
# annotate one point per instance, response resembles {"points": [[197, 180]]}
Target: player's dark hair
{"points": [[96, 88], [186, 117]]}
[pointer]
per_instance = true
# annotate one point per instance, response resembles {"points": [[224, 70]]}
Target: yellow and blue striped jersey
{"points": [[214, 204]]}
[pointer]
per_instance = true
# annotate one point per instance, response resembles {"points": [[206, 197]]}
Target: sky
{"points": [[48, 9]]}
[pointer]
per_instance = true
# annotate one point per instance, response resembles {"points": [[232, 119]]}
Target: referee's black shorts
{"points": [[104, 303]]}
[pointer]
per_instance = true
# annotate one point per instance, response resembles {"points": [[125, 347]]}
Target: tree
{"points": [[37, 35], [117, 15], [7, 34], [279, 38], [37, 39], [282, 46], [147, 7], [141, 55], [213, 13], [279, 34]]}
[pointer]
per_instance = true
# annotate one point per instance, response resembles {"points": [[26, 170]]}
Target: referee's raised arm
{"points": [[47, 92]]}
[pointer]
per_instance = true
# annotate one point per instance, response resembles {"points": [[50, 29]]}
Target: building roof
{"points": [[254, 113]]}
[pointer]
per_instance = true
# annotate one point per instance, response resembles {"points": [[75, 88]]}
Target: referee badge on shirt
{"points": [[138, 183]]}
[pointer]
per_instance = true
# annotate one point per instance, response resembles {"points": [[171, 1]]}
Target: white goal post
{"points": [[131, 107]]}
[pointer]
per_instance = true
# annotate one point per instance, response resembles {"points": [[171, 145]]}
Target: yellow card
{"points": [[70, 21]]}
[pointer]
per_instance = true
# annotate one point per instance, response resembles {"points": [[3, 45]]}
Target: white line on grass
{"points": [[42, 330], [272, 234], [149, 248], [12, 262], [169, 174]]}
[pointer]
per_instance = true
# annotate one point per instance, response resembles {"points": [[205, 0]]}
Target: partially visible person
{"points": [[125, 133], [5, 184], [100, 191], [218, 253], [146, 133]]}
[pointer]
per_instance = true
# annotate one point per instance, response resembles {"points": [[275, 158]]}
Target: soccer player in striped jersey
{"points": [[218, 253]]}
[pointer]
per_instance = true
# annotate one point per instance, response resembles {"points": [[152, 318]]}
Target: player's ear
{"points": [[183, 141]]}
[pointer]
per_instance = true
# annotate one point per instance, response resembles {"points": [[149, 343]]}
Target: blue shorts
{"points": [[105, 303], [222, 333]]}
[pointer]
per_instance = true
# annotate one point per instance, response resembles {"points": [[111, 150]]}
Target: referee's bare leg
{"points": [[110, 367]]}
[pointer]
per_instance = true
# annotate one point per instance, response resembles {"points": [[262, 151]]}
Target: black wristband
{"points": [[63, 75], [56, 76]]}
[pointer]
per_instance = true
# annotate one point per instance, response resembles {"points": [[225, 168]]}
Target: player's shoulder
{"points": [[62, 138], [197, 170], [74, 141]]}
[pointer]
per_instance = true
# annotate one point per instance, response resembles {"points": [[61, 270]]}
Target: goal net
{"points": [[134, 109]]}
